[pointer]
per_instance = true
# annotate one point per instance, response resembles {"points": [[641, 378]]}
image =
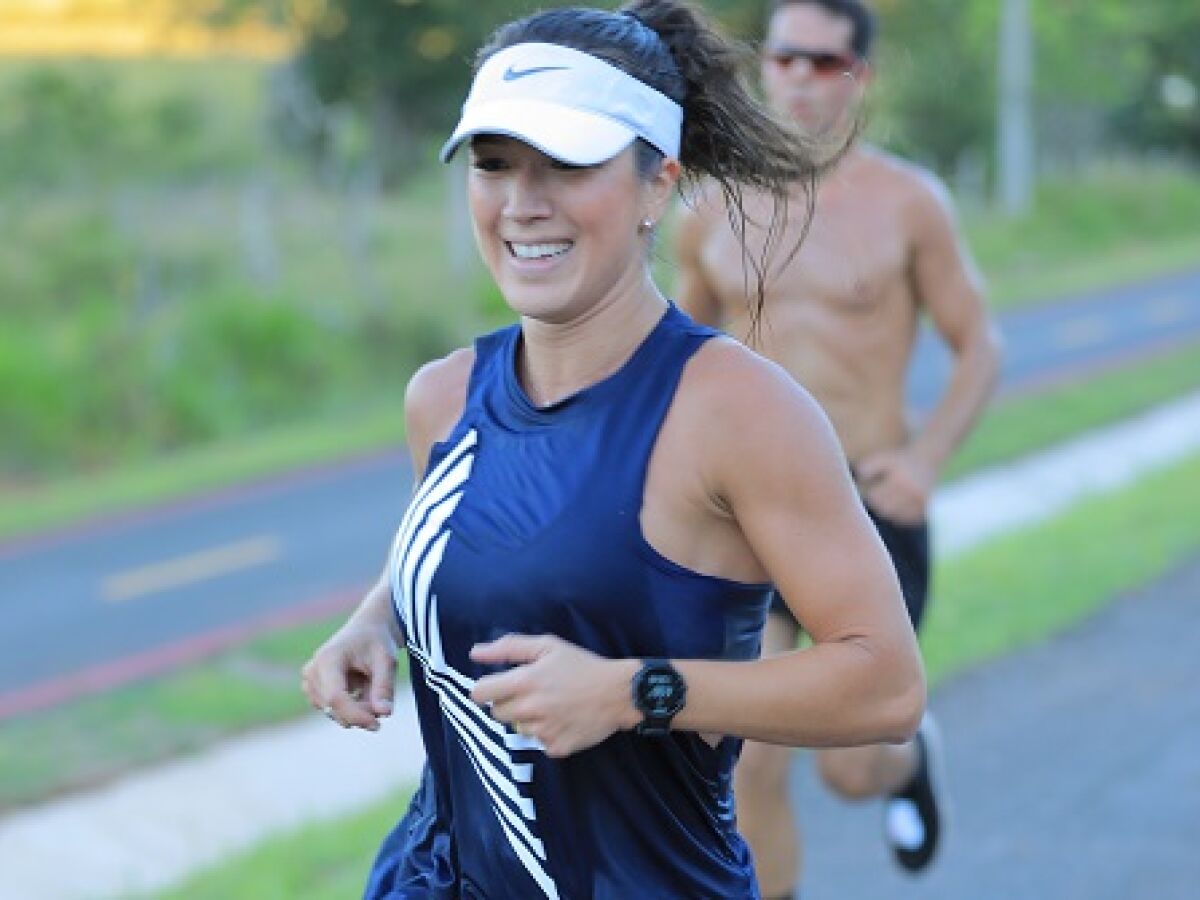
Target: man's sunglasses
{"points": [[823, 62]]}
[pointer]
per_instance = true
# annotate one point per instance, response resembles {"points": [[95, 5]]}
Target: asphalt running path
{"points": [[88, 608], [1074, 769], [154, 828]]}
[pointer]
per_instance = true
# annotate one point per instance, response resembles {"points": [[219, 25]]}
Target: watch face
{"points": [[660, 692]]}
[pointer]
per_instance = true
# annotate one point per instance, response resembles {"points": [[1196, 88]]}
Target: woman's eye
{"points": [[489, 164]]}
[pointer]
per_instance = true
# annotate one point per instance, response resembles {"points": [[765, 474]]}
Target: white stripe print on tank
{"points": [[416, 554]]}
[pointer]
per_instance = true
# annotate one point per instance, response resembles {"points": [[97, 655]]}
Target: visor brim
{"points": [[573, 136]]}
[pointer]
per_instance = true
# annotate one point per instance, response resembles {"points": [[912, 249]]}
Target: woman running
{"points": [[606, 494]]}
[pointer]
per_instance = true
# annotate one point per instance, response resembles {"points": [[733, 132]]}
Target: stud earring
{"points": [[647, 225]]}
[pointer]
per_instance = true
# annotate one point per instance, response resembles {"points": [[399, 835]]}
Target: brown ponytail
{"points": [[728, 135]]}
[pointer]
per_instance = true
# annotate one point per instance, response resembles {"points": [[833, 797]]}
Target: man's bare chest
{"points": [[850, 262]]}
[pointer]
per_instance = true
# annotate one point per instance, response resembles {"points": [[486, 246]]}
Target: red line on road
{"points": [[159, 660]]}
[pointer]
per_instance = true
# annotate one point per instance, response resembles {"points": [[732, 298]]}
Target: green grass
{"points": [[1134, 260], [327, 861], [1025, 424], [1012, 428], [1020, 589], [131, 119], [1113, 225], [148, 349], [177, 280], [96, 738], [92, 740], [151, 338], [1009, 594], [30, 509]]}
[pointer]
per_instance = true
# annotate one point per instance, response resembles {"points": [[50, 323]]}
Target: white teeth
{"points": [[539, 251]]}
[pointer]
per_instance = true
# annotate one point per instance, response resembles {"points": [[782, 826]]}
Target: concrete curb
{"points": [[154, 828]]}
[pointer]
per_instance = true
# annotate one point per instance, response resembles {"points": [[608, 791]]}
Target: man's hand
{"points": [[897, 484]]}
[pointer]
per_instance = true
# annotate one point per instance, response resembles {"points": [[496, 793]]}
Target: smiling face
{"points": [[560, 239], [801, 74]]}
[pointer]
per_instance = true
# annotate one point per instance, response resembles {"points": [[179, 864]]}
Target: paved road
{"points": [[91, 606], [1045, 344], [142, 589], [1074, 767]]}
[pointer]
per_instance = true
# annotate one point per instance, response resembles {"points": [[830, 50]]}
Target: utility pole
{"points": [[1014, 127]]}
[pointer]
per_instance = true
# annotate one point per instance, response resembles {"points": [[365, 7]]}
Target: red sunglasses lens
{"points": [[830, 63], [822, 63]]}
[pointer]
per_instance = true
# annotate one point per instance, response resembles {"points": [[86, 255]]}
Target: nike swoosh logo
{"points": [[511, 74]]}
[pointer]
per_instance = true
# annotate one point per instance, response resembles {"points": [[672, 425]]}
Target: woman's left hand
{"points": [[566, 697]]}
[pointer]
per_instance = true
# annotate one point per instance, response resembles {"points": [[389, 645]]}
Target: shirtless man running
{"points": [[841, 316]]}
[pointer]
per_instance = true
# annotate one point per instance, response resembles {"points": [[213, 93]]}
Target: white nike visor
{"points": [[568, 104]]}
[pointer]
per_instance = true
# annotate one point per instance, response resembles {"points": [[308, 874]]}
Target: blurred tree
{"points": [[1092, 58], [47, 115], [1165, 110], [739, 18], [937, 78], [404, 64], [936, 61]]}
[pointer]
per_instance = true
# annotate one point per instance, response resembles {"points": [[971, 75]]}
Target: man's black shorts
{"points": [[908, 545]]}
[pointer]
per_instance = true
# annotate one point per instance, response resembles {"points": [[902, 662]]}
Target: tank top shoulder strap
{"points": [[648, 386], [490, 354]]}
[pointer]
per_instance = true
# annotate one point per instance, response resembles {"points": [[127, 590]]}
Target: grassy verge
{"points": [[1017, 426], [1020, 589], [1025, 424], [96, 738], [1009, 594], [1127, 264], [319, 862], [1114, 225]]}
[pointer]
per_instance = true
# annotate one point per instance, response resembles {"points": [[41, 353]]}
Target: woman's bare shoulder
{"points": [[730, 380], [434, 401], [753, 415]]}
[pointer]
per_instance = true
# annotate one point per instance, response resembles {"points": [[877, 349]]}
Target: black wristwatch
{"points": [[659, 692]]}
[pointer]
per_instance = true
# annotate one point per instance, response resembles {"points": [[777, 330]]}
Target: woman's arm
{"points": [[777, 467], [352, 675], [774, 465]]}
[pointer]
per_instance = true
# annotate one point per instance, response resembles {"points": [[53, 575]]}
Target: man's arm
{"points": [[352, 675], [898, 483], [949, 287], [693, 291]]}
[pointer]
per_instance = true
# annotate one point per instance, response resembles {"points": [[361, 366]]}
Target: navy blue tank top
{"points": [[528, 521]]}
